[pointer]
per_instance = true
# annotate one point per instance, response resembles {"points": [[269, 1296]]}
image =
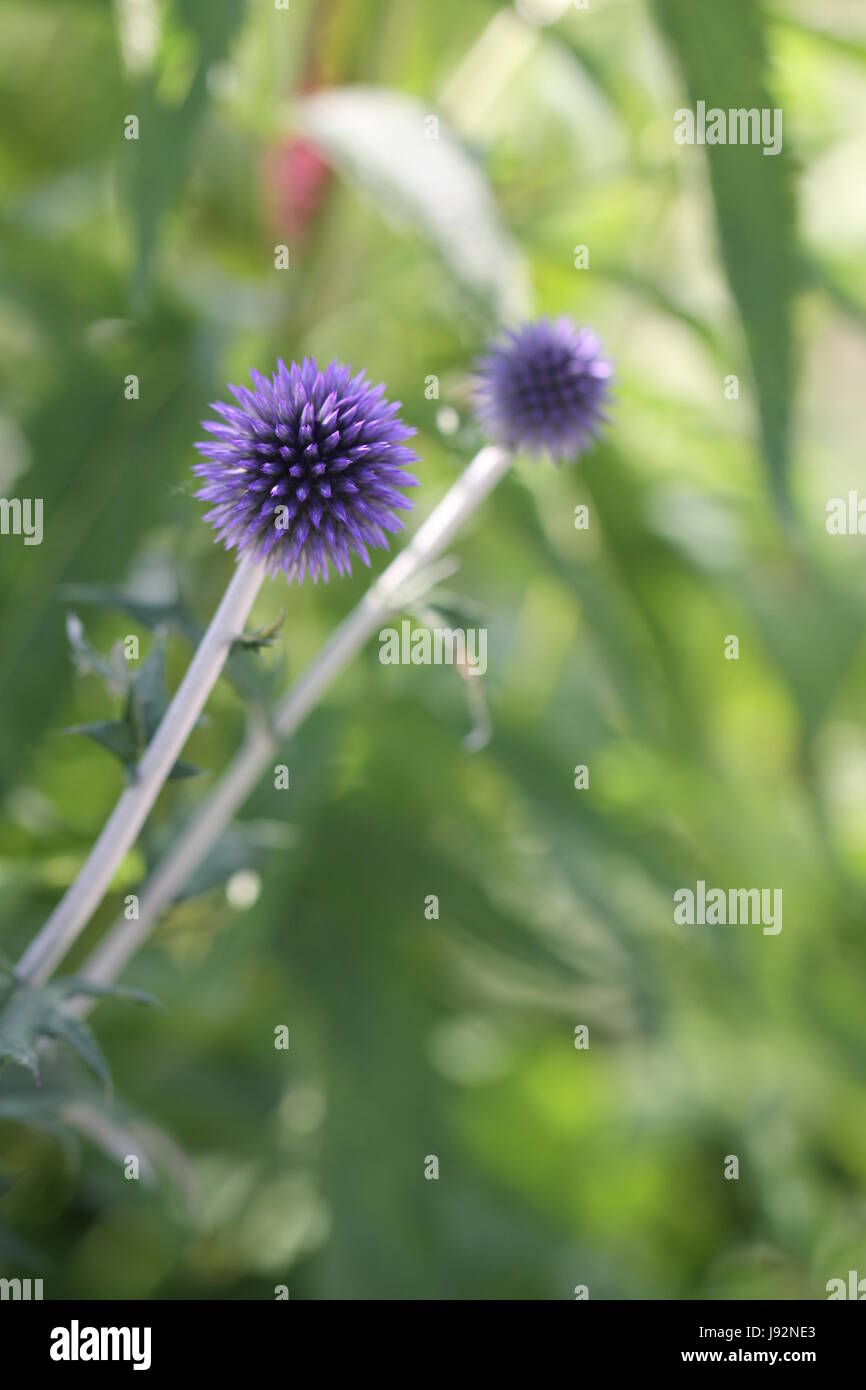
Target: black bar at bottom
{"points": [[66, 1338]]}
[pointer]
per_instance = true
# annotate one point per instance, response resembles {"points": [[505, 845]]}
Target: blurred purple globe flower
{"points": [[544, 387], [305, 468]]}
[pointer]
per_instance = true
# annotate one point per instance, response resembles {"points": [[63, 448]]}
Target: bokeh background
{"points": [[455, 1038]]}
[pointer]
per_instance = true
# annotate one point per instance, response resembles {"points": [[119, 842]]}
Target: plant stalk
{"points": [[120, 831], [463, 498]]}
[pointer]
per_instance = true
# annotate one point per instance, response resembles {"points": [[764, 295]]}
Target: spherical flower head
{"points": [[306, 468], [544, 387]]}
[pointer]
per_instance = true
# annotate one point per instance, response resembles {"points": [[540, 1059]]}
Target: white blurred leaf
{"points": [[379, 140]]}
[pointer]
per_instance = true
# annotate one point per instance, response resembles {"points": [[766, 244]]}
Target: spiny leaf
{"points": [[264, 636], [113, 735], [31, 1013], [250, 679], [454, 609], [71, 987], [146, 702], [79, 1037], [183, 770], [443, 609], [88, 661], [151, 613], [148, 695]]}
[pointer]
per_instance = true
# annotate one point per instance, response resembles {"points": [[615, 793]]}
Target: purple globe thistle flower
{"points": [[305, 468], [544, 387]]}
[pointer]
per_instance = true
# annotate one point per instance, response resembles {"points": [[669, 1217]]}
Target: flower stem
{"points": [[167, 881], [81, 899]]}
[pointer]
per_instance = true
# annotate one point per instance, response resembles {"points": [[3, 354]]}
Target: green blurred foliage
{"points": [[452, 1037]]}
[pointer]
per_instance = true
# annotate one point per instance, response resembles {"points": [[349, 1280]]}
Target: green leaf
{"points": [[112, 670], [148, 695], [445, 610], [30, 1014], [234, 850], [182, 771], [378, 139], [151, 613], [264, 636], [723, 55], [250, 678], [113, 735], [171, 105], [453, 609], [146, 703]]}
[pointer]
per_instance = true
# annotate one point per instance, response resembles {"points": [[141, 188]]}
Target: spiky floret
{"points": [[544, 387], [306, 468]]}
